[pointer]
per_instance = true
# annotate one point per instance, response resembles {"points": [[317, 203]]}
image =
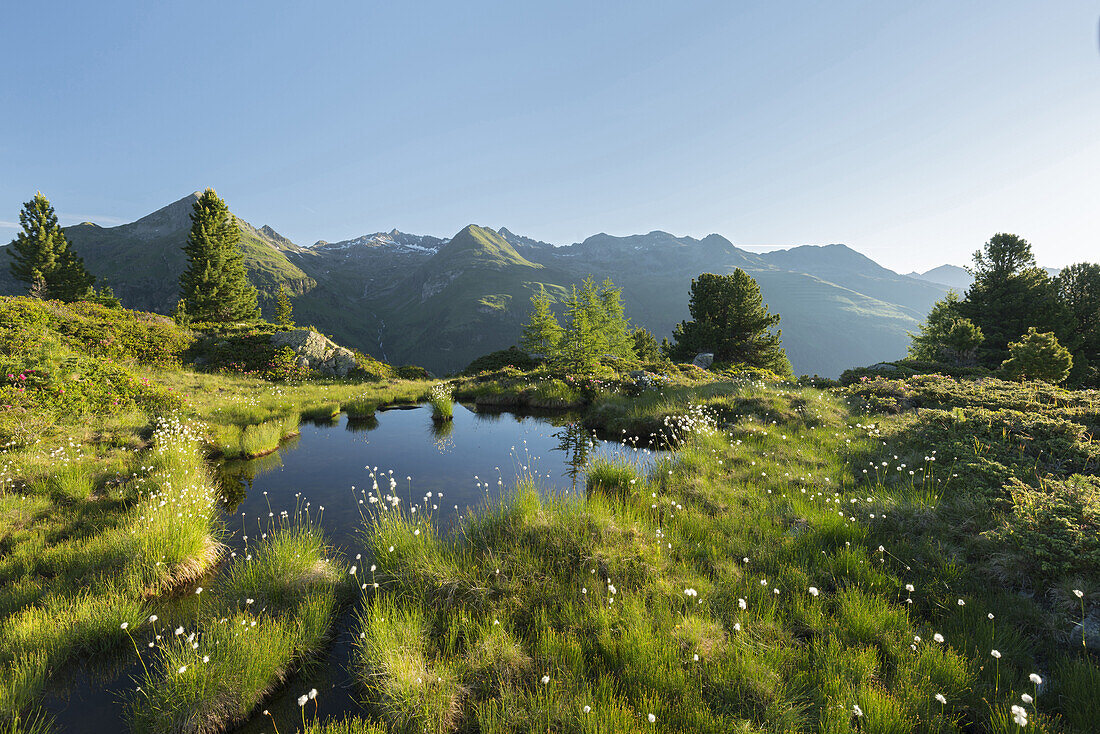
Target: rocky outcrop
{"points": [[704, 360], [317, 352]]}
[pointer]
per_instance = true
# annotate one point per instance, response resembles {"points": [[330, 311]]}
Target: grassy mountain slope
{"points": [[142, 261], [849, 269], [441, 303], [470, 298]]}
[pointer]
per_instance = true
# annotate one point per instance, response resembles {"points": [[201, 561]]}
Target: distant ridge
{"points": [[440, 302], [951, 276]]}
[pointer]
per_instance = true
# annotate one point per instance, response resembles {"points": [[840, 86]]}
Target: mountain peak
{"points": [[268, 231], [175, 216], [483, 246]]}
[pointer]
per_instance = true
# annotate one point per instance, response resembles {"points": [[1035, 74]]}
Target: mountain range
{"points": [[440, 302]]}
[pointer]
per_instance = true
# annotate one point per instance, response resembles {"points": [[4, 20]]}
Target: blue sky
{"points": [[911, 132]]}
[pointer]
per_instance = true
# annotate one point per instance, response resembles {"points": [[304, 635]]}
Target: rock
{"points": [[316, 352], [703, 359], [1091, 630], [343, 361], [884, 366]]}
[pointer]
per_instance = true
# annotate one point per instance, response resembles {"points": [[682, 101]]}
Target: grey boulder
{"points": [[316, 352]]}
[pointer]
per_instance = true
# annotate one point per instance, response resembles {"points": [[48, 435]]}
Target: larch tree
{"points": [[284, 309], [542, 334]]}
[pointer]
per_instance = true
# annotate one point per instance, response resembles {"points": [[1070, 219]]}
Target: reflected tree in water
{"points": [[575, 441]]}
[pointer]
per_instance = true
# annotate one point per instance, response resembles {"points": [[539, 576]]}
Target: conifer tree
{"points": [[215, 286], [1038, 356], [1010, 294], [581, 344], [730, 319], [69, 280], [646, 347], [614, 326], [42, 258], [945, 336], [1079, 291], [542, 335], [284, 310], [180, 315]]}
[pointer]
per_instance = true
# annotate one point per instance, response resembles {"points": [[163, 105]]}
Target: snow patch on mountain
{"points": [[392, 241]]}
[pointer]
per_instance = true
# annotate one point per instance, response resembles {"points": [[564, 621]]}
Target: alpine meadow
{"points": [[481, 482]]}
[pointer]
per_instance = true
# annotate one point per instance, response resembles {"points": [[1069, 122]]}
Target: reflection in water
{"points": [[362, 424], [575, 441], [237, 477], [441, 434]]}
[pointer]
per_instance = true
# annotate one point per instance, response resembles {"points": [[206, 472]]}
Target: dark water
{"points": [[475, 459]]}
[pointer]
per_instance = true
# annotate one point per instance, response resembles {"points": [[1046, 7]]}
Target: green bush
{"points": [[1053, 531], [906, 368], [510, 357], [284, 367], [412, 372]]}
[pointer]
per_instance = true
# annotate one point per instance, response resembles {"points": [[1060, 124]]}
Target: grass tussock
{"points": [[84, 575], [441, 399], [268, 613]]}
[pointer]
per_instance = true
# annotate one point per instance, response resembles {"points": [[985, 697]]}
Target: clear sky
{"points": [[909, 131]]}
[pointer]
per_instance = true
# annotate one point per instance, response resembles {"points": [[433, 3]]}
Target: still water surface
{"points": [[473, 460]]}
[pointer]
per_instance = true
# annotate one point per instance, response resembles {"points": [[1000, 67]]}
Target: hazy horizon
{"points": [[910, 134]]}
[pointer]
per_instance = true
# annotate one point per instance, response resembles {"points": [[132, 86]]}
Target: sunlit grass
{"points": [[271, 610]]}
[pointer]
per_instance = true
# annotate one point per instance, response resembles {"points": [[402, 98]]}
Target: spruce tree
{"points": [[69, 281], [284, 310], [730, 319], [42, 258], [542, 335], [646, 347], [215, 286]]}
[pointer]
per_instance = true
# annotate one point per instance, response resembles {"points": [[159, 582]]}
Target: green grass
{"points": [[79, 577], [616, 477], [411, 692], [630, 602], [441, 398], [345, 726], [265, 616]]}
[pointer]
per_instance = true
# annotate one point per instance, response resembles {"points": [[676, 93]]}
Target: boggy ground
{"points": [[806, 560], [760, 580], [109, 509]]}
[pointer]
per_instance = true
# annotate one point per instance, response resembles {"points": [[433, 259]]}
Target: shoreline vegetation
{"points": [[900, 555]]}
